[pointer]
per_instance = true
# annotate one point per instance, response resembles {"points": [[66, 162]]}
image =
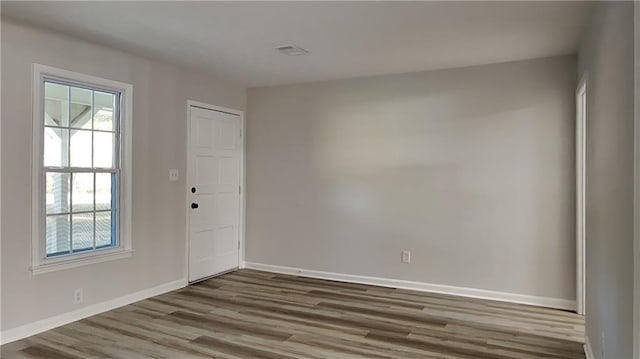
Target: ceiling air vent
{"points": [[292, 50]]}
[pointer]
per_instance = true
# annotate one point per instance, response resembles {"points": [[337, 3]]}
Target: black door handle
{"points": [[194, 205]]}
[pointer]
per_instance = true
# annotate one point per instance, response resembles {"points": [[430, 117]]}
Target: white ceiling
{"points": [[236, 40]]}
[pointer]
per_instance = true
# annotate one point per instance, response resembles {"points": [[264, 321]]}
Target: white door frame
{"points": [[581, 161], [241, 226], [636, 205]]}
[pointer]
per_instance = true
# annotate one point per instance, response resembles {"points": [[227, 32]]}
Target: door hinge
{"points": [[239, 189], [238, 244]]}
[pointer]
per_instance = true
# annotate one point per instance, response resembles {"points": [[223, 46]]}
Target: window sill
{"points": [[73, 262]]}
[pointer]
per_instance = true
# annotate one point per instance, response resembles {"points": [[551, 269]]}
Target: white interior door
{"points": [[214, 192]]}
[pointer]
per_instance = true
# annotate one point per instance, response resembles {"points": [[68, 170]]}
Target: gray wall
{"points": [[471, 169], [607, 57], [159, 143]]}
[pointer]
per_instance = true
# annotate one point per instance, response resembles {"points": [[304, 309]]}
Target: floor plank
{"points": [[253, 314]]}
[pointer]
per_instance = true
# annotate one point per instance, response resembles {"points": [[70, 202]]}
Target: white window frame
{"points": [[40, 263], [636, 345]]}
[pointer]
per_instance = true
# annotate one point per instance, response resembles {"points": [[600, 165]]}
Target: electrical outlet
{"points": [[173, 175], [77, 296], [406, 256]]}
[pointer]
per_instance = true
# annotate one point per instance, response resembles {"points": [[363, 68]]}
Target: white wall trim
{"points": [[587, 349], [43, 325], [97, 256], [636, 211], [558, 303]]}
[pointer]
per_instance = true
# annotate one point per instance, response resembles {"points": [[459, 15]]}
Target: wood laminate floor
{"points": [[252, 314]]}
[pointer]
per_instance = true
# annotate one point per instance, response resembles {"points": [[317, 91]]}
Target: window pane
{"points": [[57, 234], [80, 131], [103, 191], [56, 105], [103, 111], [103, 149], [104, 229], [56, 150], [80, 148], [80, 108], [57, 192], [82, 231], [82, 199]]}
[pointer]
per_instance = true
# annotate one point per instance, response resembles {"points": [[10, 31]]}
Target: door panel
{"points": [[227, 134], [200, 218], [214, 169], [227, 208], [206, 173]]}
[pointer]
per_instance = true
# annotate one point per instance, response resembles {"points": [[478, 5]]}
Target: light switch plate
{"points": [[406, 256], [173, 175]]}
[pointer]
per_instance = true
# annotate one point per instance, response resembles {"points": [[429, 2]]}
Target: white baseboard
{"points": [[558, 303], [588, 352], [43, 325]]}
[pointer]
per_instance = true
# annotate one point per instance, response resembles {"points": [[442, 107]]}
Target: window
{"points": [[81, 174]]}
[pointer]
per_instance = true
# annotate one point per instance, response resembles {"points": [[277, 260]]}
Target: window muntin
{"points": [[81, 163]]}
